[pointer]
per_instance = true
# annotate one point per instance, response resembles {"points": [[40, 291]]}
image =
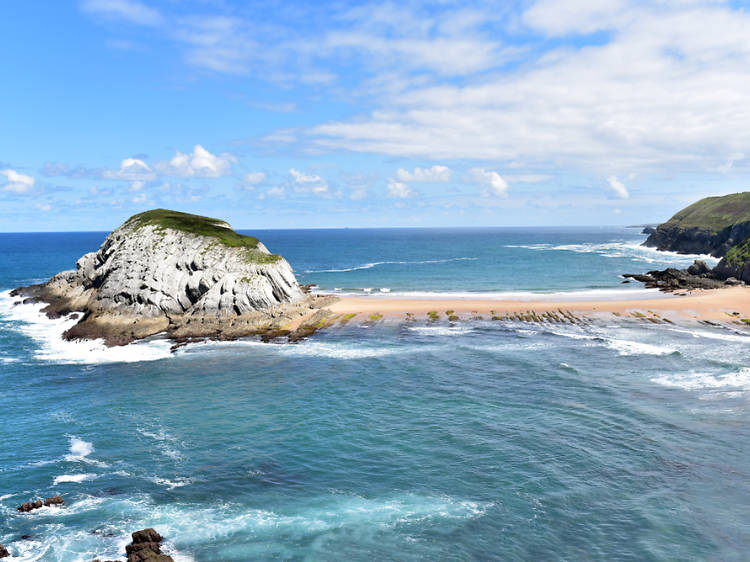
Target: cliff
{"points": [[165, 271], [711, 226]]}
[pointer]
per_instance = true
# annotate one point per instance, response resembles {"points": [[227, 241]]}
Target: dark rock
{"points": [[146, 547], [696, 240], [733, 281], [699, 267], [648, 230], [25, 537], [28, 506], [672, 279], [4, 552]]}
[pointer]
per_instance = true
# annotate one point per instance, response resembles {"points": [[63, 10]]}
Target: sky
{"points": [[353, 114]]}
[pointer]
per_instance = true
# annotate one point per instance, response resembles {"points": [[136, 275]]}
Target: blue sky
{"points": [[287, 114]]}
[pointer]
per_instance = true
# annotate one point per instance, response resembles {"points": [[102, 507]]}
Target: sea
{"points": [[474, 440]]}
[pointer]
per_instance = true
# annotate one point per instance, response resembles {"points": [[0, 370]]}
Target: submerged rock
{"points": [[168, 271]]}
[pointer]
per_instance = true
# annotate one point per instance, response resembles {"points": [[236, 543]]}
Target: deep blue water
{"points": [[617, 440]]}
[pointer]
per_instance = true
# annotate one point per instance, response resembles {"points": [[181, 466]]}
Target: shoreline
{"points": [[712, 305]]}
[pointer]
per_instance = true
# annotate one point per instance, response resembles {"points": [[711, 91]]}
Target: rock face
{"points": [[711, 226], [169, 271], [4, 552]]}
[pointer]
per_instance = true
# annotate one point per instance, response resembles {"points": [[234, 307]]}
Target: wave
{"points": [[80, 451], [171, 484], [169, 445], [47, 333], [695, 380], [378, 263], [626, 347], [441, 330], [307, 348], [75, 478], [621, 249]]}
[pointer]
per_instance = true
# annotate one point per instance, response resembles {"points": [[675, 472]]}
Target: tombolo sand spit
{"points": [[699, 305]]}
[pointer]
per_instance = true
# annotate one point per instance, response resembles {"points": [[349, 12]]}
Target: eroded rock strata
{"points": [[186, 275]]}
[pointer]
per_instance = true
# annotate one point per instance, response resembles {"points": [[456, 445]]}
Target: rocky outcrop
{"points": [[736, 263], [168, 271], [4, 552], [696, 240], [697, 276], [146, 547], [710, 226], [29, 506]]}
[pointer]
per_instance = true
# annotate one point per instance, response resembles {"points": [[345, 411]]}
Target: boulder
{"points": [[4, 552], [146, 547], [699, 267]]}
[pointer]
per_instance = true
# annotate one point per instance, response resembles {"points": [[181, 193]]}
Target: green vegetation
{"points": [[738, 255], [714, 213], [345, 319], [433, 315], [453, 318], [194, 224], [255, 256], [374, 317]]}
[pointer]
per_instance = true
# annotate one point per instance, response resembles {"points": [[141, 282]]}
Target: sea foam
{"points": [[47, 333]]}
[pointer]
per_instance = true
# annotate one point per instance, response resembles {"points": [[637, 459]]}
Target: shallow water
{"points": [[616, 440]]}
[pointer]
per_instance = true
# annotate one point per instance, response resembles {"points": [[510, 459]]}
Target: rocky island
{"points": [[719, 226], [184, 275]]}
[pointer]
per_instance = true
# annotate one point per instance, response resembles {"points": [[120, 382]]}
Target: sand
{"points": [[714, 305]]}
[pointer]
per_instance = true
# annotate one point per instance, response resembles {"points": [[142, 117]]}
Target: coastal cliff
{"points": [[166, 271], [710, 226]]}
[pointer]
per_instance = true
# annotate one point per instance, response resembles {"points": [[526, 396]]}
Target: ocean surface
{"points": [[616, 440]]}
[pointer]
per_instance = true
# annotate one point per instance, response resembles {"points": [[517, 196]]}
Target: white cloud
{"points": [[494, 181], [46, 207], [434, 174], [131, 169], [311, 182], [140, 198], [277, 191], [17, 182], [128, 10], [399, 189], [254, 178], [137, 185], [618, 187], [200, 164], [659, 94]]}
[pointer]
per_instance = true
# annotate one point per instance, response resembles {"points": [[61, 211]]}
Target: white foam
{"points": [[306, 348], [622, 249], [6, 360], [47, 333], [171, 484], [737, 380], [79, 449], [76, 478], [625, 347], [169, 445], [385, 290], [377, 263], [441, 330]]}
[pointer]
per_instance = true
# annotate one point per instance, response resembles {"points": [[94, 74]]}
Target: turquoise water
{"points": [[483, 440]]}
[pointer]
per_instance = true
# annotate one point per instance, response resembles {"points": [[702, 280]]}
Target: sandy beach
{"points": [[715, 305]]}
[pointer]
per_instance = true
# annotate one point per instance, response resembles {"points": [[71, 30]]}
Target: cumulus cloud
{"points": [[434, 174], [618, 187], [308, 182], [399, 190], [17, 182], [494, 181], [127, 10], [199, 164]]}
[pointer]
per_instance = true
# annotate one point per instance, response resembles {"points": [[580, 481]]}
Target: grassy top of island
{"points": [[217, 229], [714, 213]]}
